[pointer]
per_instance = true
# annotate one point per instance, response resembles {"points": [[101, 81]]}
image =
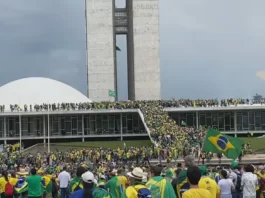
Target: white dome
{"points": [[37, 90]]}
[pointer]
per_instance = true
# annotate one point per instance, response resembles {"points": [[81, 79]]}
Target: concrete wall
{"points": [[100, 49], [145, 44]]}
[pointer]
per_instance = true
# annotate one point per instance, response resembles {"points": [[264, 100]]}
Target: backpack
{"points": [[144, 193], [9, 190], [238, 182]]}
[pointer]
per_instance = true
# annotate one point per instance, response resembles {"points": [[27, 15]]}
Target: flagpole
{"points": [[48, 129], [20, 133]]}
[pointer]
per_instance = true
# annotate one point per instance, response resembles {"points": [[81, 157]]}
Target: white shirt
{"points": [[249, 182], [225, 186], [64, 179], [233, 177]]}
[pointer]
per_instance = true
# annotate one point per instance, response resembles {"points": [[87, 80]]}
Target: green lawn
{"points": [[107, 144], [256, 143]]}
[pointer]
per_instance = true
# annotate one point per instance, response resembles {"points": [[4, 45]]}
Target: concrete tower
{"points": [[139, 20]]}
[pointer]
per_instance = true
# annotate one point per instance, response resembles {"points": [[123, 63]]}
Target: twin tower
{"points": [[139, 21]]}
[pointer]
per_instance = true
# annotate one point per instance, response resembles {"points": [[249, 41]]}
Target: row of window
{"points": [[224, 121], [72, 125]]}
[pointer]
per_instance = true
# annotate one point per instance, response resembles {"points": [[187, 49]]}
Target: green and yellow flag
{"points": [[216, 142], [112, 93], [160, 187], [76, 184]]}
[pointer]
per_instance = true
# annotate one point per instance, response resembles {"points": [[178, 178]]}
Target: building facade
{"points": [[139, 21], [70, 125], [123, 123], [229, 120]]}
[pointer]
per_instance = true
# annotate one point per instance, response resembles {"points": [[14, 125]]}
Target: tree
{"points": [[257, 97]]}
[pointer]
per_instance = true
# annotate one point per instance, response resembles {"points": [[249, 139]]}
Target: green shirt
{"points": [[34, 186], [160, 188], [101, 193], [113, 186]]}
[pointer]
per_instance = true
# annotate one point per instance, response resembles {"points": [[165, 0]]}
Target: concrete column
{"points": [[235, 122], [83, 128], [121, 127], [5, 142], [197, 119], [44, 130], [59, 123]]}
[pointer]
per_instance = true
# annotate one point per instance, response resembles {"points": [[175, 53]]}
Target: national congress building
{"points": [[70, 123], [139, 21], [35, 109]]}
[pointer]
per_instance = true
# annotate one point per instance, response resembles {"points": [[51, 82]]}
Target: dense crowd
{"points": [[130, 104], [59, 175], [163, 130]]}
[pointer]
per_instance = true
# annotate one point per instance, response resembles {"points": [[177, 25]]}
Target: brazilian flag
{"points": [[76, 184], [216, 142], [47, 184], [21, 186]]}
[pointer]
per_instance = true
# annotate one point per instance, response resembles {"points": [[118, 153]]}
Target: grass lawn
{"points": [[107, 144], [256, 143]]}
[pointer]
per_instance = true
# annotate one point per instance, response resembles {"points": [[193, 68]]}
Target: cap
{"points": [[88, 177]]}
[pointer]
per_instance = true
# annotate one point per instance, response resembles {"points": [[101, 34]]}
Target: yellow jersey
{"points": [[3, 183], [123, 181], [132, 191], [13, 181], [209, 184], [197, 193]]}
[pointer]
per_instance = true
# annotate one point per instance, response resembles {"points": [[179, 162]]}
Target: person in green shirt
{"points": [[113, 185], [159, 186], [34, 184]]}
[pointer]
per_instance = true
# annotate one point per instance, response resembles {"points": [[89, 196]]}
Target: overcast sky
{"points": [[209, 49]]}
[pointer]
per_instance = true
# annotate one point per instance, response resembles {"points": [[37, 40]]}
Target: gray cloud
{"points": [[43, 38], [208, 49]]}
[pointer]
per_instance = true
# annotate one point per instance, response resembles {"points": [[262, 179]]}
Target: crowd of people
{"points": [[46, 176], [126, 172], [180, 103], [163, 130]]}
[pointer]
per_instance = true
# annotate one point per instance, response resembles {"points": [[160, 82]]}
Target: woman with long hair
{"points": [[226, 185], [88, 184]]}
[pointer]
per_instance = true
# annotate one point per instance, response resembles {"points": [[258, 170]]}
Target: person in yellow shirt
{"points": [[3, 182], [122, 179], [193, 177], [261, 177], [13, 179], [135, 181], [209, 184]]}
